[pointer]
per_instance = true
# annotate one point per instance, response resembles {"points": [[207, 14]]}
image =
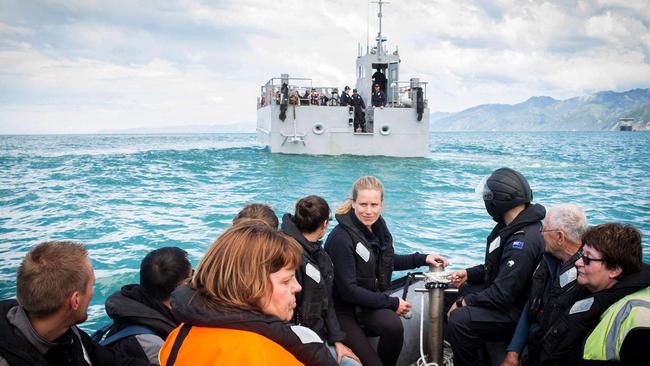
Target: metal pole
{"points": [[436, 310]]}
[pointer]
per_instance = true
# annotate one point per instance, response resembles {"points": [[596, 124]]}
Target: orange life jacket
{"points": [[220, 346]]}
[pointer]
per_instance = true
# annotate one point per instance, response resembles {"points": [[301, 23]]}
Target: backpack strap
{"points": [[125, 332], [99, 333]]}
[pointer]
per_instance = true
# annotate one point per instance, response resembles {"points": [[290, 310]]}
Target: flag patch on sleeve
{"points": [[517, 244]]}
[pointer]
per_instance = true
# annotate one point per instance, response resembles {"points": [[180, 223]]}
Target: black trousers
{"points": [[467, 337], [359, 120], [383, 323]]}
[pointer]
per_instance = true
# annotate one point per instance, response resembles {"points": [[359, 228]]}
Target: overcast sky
{"points": [[76, 66]]}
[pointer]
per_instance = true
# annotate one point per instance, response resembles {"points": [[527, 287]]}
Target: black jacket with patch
{"points": [[512, 254]]}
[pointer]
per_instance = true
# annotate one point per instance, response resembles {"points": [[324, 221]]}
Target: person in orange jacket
{"points": [[235, 309]]}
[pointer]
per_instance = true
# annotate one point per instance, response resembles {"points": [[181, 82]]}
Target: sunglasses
{"points": [[586, 260]]}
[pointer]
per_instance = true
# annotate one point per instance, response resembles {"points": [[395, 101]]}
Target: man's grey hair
{"points": [[568, 217]]}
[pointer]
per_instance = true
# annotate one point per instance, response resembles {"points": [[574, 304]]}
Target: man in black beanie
{"points": [[493, 294]]}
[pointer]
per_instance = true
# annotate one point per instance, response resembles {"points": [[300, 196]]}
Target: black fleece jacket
{"points": [[347, 293]]}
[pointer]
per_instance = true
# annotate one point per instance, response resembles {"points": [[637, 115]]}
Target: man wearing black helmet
{"points": [[492, 294]]}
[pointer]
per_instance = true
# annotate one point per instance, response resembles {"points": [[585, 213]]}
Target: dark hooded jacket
{"points": [[315, 306], [563, 342], [192, 309], [133, 306], [361, 276], [20, 345], [512, 254]]}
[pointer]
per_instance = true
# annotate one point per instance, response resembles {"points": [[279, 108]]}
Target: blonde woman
{"points": [[235, 310], [361, 248]]}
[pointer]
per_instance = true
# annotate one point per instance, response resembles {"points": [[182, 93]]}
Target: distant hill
{"points": [[230, 128], [595, 112]]}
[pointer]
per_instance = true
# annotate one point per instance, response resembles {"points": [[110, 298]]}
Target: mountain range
{"points": [[595, 112]]}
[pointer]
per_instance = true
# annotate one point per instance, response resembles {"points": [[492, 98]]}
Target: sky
{"points": [[83, 66]]}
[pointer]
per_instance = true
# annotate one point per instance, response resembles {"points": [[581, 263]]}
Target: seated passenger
{"points": [[361, 248], [315, 308], [554, 287], [148, 304], [54, 286], [259, 211], [610, 268], [235, 310], [491, 302]]}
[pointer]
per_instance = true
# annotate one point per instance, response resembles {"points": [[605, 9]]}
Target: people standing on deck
{"points": [[361, 249], [378, 97], [554, 288], [359, 112], [493, 294], [147, 305], [315, 308], [610, 268], [345, 97], [54, 286], [235, 309]]}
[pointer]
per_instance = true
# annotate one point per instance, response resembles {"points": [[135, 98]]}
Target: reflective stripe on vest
{"points": [[605, 341]]}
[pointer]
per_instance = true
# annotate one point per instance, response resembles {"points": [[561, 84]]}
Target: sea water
{"points": [[124, 195]]}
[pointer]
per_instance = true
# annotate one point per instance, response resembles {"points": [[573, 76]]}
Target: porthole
{"points": [[318, 129], [385, 130]]}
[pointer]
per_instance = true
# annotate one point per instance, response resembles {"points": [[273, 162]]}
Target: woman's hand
{"points": [[403, 307], [342, 350], [458, 278], [512, 359], [436, 260]]}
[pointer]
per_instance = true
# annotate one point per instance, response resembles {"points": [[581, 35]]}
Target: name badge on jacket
{"points": [[363, 252], [312, 272]]}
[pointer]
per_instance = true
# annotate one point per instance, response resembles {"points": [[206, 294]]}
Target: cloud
{"points": [[78, 66]]}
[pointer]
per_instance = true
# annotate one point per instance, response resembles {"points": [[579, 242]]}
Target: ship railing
{"points": [[301, 92], [402, 94]]}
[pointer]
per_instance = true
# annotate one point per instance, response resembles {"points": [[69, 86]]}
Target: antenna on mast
{"points": [[380, 39], [368, 29]]}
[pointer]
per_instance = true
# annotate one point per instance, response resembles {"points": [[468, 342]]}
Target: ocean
{"points": [[124, 195]]}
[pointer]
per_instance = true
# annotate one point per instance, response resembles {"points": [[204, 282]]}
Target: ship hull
{"points": [[327, 130]]}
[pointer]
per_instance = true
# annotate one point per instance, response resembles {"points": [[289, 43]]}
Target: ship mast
{"points": [[380, 39]]}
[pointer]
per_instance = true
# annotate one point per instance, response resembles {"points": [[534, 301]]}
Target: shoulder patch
{"points": [[312, 272], [363, 252], [582, 305], [305, 334], [517, 244], [568, 276], [494, 244]]}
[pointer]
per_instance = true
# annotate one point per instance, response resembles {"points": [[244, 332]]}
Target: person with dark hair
{"points": [[378, 97], [610, 269], [361, 248], [141, 314], [54, 286], [554, 287], [345, 96], [259, 211], [315, 308], [236, 308], [493, 294], [359, 111]]}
